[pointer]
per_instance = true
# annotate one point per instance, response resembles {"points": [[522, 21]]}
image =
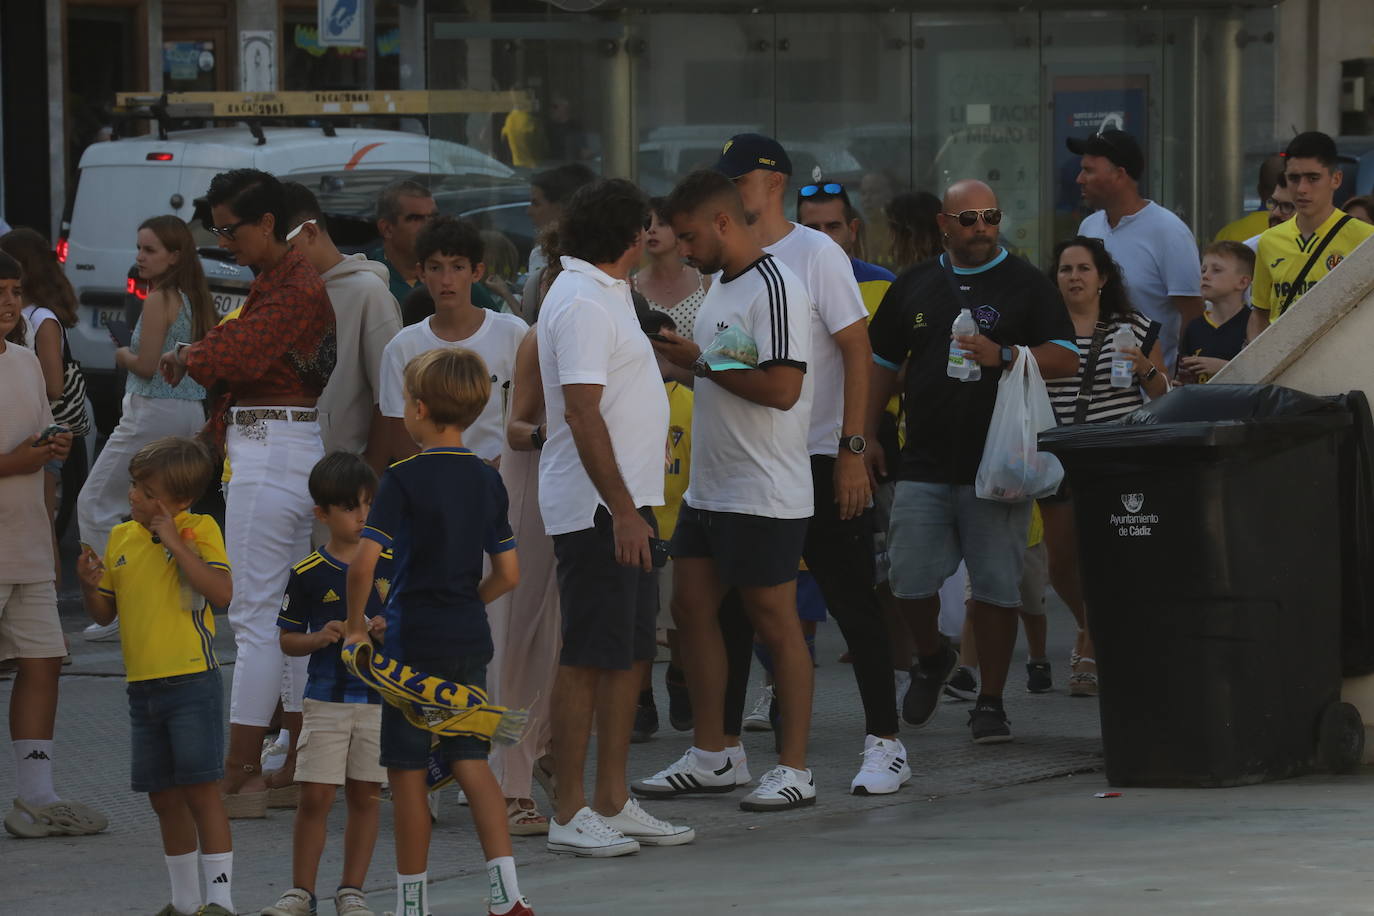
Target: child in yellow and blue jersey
{"points": [[340, 743], [161, 574]]}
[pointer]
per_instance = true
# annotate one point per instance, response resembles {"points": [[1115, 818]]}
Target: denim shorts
{"points": [[406, 747], [178, 731], [935, 525]]}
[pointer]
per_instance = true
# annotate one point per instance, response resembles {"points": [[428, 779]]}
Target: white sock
{"points": [[713, 759], [185, 882], [412, 894], [33, 772], [218, 869], [505, 892]]}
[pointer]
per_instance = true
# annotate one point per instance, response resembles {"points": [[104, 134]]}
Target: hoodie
{"points": [[366, 317]]}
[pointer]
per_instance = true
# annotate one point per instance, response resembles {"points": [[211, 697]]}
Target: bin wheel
{"points": [[1340, 739]]}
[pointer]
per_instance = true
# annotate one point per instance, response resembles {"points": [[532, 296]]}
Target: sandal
{"points": [[61, 818], [239, 804], [523, 818], [1083, 680]]}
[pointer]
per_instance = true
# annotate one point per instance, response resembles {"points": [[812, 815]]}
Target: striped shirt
{"points": [[1107, 403], [748, 458]]}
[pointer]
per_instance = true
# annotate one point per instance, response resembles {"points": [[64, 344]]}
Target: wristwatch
{"points": [[1149, 376], [856, 444], [537, 436], [1008, 357], [700, 368]]}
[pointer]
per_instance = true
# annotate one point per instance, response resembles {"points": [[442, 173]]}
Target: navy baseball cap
{"points": [[1116, 145], [743, 153]]}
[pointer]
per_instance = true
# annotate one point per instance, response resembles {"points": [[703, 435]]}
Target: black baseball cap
{"points": [[743, 153], [1116, 145]]}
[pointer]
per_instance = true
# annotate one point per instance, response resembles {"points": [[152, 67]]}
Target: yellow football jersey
{"points": [[1283, 253], [680, 400]]}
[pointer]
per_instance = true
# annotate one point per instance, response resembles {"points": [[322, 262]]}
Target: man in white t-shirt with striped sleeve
{"points": [[744, 517]]}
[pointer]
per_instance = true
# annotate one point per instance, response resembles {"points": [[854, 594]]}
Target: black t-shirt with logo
{"points": [[947, 419]]}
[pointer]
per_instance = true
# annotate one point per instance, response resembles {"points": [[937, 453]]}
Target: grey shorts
{"points": [[1035, 578], [935, 525]]}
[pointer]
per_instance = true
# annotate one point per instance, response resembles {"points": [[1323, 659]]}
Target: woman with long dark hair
{"points": [[1091, 285], [913, 229], [267, 368], [179, 309]]}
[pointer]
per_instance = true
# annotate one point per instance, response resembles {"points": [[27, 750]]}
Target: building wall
{"points": [[1314, 37]]}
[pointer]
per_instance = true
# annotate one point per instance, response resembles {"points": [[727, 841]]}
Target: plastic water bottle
{"points": [[1123, 366], [960, 366]]}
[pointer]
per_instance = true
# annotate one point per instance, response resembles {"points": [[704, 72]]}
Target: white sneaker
{"points": [[901, 680], [101, 633], [757, 720], [588, 834], [273, 754], [884, 768], [638, 824], [295, 902], [781, 788], [432, 799], [741, 763], [687, 776]]}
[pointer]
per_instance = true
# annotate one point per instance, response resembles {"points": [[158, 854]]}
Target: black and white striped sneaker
{"points": [[688, 776], [781, 788]]}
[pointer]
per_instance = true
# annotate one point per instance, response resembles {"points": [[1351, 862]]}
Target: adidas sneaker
{"points": [[741, 763], [781, 788], [688, 776], [884, 769]]}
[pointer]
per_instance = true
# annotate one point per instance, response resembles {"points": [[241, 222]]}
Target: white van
{"points": [[124, 182]]}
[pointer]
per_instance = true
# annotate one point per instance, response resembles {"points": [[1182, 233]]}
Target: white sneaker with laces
{"points": [[757, 720], [741, 763], [588, 834], [295, 902], [97, 633], [687, 776], [781, 788], [350, 901], [638, 824], [884, 769]]}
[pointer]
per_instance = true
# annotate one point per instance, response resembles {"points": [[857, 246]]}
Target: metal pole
{"points": [[618, 115], [370, 43], [57, 117]]}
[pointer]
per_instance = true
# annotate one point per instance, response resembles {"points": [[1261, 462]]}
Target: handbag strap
{"points": [[1085, 381], [1316, 253]]}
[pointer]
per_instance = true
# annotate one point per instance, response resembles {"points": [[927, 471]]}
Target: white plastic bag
{"points": [[1013, 468]]}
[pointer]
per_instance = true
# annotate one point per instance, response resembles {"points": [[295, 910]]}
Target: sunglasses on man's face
{"points": [[812, 190], [992, 216]]}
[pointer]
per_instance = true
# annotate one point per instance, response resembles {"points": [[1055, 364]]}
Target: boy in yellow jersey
{"points": [[161, 573], [1294, 255], [675, 474]]}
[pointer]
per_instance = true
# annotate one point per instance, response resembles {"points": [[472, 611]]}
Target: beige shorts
{"points": [[338, 741], [1035, 578], [29, 626]]}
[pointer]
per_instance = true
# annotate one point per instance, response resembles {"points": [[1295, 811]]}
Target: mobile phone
{"points": [[658, 550], [119, 332], [43, 437], [658, 337]]}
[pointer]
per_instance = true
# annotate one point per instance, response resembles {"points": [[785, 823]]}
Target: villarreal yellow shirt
{"points": [[160, 635], [1247, 227], [1283, 253], [679, 457]]}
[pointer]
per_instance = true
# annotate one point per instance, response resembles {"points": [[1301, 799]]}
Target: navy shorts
{"points": [[750, 551], [609, 611], [406, 747], [178, 731]]}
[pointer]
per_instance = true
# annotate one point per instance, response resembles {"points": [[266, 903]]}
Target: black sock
{"points": [[646, 698], [987, 699]]}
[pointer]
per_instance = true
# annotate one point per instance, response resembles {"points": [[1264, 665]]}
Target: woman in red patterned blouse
{"points": [[268, 368]]}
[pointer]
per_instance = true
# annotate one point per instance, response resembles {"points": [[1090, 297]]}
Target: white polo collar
{"points": [[577, 265]]}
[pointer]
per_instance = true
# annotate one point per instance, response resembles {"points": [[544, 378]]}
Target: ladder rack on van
{"points": [[255, 107]]}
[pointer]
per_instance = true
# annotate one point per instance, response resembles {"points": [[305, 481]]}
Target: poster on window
{"points": [[1085, 105], [340, 23], [258, 61]]}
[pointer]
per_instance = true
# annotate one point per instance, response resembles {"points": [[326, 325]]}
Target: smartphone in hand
{"points": [[54, 430], [659, 551], [120, 332]]}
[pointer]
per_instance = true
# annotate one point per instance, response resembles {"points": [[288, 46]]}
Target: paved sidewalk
{"points": [[121, 870]]}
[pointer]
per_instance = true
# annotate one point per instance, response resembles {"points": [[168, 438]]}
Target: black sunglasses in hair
{"points": [[992, 216], [812, 190]]}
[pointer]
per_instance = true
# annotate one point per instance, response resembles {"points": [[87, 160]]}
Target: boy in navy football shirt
{"points": [[340, 732], [440, 511], [1216, 336]]}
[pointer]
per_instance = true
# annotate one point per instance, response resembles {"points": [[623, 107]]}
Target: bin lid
{"points": [[1212, 437], [1231, 402]]}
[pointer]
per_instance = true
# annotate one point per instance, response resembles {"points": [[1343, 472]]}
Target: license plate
{"points": [[102, 317], [227, 302]]}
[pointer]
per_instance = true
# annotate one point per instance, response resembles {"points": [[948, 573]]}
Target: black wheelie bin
{"points": [[1210, 530]]}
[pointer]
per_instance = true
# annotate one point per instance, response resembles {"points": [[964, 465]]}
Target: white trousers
{"points": [[104, 499], [267, 515]]}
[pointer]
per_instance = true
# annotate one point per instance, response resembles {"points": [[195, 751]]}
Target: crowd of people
{"points": [[700, 423]]}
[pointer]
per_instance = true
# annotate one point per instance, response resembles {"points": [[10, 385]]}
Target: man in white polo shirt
{"points": [[744, 516], [1155, 249], [600, 472]]}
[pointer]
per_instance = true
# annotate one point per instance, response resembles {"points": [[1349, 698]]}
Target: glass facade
{"points": [[883, 102]]}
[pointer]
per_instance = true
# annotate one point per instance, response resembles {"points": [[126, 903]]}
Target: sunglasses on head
{"points": [[992, 216], [812, 190]]}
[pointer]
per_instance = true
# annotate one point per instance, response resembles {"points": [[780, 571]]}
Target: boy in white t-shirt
{"points": [[744, 517], [450, 253]]}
